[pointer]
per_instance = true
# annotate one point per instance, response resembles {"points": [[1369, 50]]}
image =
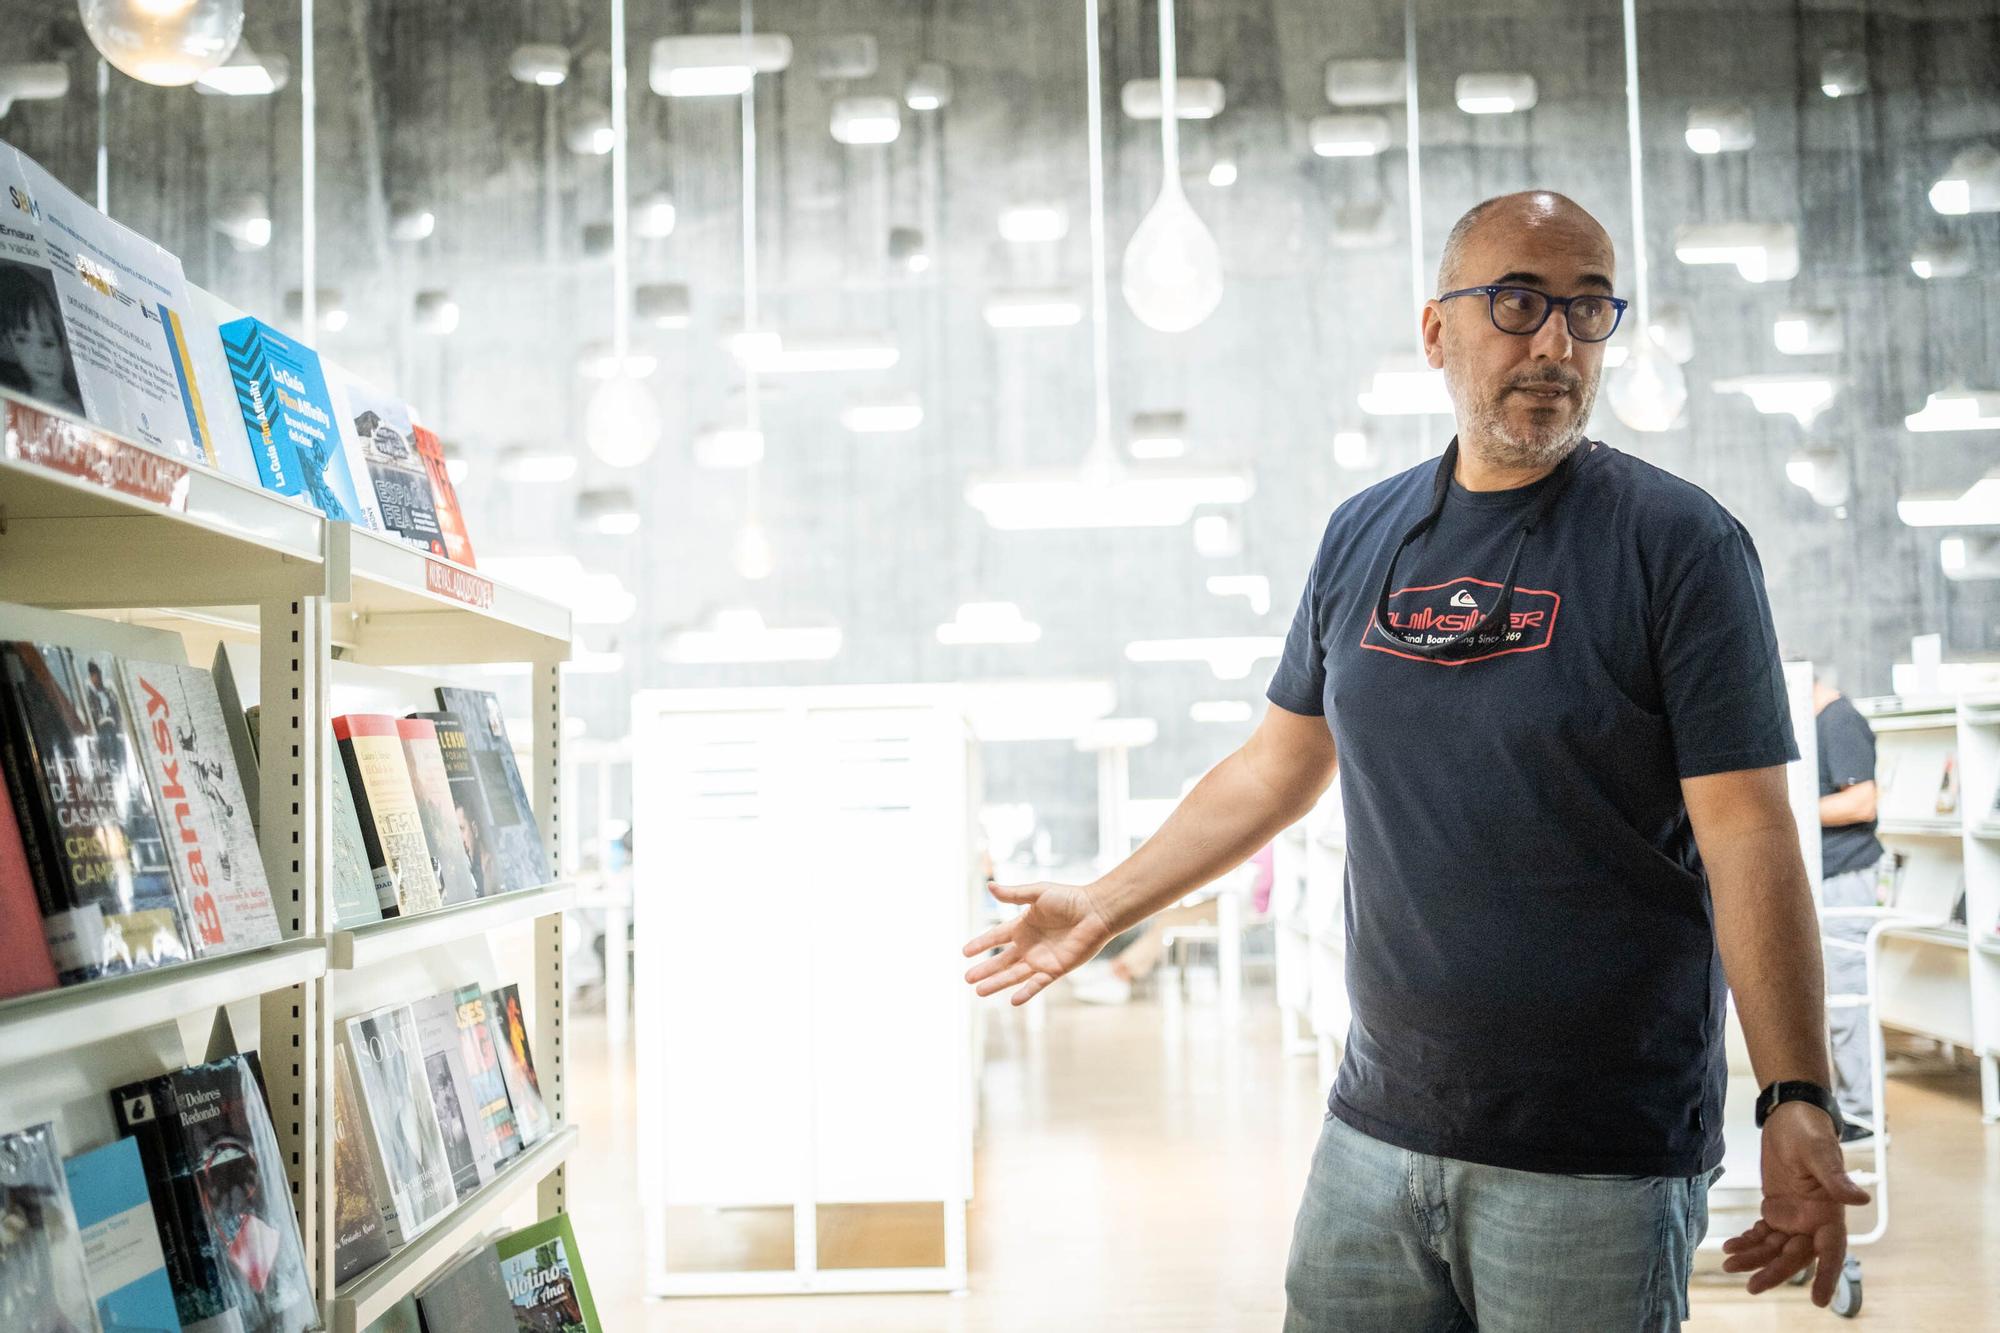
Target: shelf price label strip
{"points": [[75, 450]]}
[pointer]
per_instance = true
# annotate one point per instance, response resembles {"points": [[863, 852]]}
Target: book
{"points": [[408, 1164], [392, 825], [450, 516], [523, 859], [468, 1297], [44, 1287], [25, 966], [490, 1102], [122, 346], [360, 1241], [517, 1064], [1947, 798], [466, 1147], [86, 817], [221, 1197], [282, 395], [357, 894], [399, 1318], [468, 797], [434, 806], [377, 432], [192, 770], [121, 1242], [545, 1279]]}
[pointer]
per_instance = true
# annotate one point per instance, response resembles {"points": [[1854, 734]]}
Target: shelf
{"points": [[51, 1022], [1920, 828], [1950, 936], [360, 1302], [397, 606], [1943, 719], [380, 940], [1987, 831], [1989, 943], [89, 520]]}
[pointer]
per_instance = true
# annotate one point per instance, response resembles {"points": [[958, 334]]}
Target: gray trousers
{"points": [[1847, 974]]}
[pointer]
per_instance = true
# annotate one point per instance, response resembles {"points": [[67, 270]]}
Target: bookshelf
{"points": [[110, 545], [1940, 977]]}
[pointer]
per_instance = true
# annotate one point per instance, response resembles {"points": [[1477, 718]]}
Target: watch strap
{"points": [[1797, 1090]]}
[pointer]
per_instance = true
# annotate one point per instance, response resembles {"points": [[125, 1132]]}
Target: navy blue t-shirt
{"points": [[1530, 945]]}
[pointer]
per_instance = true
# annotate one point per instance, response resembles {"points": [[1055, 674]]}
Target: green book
{"points": [[545, 1281]]}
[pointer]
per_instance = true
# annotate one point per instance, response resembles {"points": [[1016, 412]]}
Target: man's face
{"points": [[1525, 399]]}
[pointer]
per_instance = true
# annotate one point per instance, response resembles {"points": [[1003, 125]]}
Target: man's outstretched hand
{"points": [[1061, 929], [1807, 1193]]}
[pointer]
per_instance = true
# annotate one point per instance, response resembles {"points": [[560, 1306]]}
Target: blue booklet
{"points": [[295, 436], [121, 1242]]}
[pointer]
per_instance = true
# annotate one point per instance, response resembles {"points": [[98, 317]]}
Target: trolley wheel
{"points": [[1847, 1292]]}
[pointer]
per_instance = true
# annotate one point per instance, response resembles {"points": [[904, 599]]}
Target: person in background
{"points": [[1848, 855], [34, 350], [1142, 955]]}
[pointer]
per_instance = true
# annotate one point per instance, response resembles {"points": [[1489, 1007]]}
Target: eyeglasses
{"points": [[1523, 310]]}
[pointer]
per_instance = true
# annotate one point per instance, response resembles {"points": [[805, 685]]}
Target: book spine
{"points": [[371, 837], [145, 1111], [25, 790]]}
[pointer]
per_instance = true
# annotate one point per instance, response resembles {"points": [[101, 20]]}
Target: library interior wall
{"points": [[415, 104]]}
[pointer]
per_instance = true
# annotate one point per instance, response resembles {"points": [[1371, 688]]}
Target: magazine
{"points": [[411, 1170], [490, 1101], [360, 1241], [43, 1285], [517, 1064], [466, 1146], [377, 431], [282, 395], [524, 860], [545, 1279]]}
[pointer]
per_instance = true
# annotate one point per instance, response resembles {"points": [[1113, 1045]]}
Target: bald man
{"points": [[1548, 674]]}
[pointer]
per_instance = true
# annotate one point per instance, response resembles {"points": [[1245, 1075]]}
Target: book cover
{"points": [[450, 515], [122, 350], [411, 1171], [517, 1064], [399, 1318], [524, 861], [468, 1297], [376, 430], [43, 1284], [465, 1145], [282, 395], [434, 804], [490, 1102], [121, 1244], [204, 812], [93, 839], [543, 1272], [359, 892], [392, 824], [474, 819], [206, 1139], [359, 1239], [25, 966]]}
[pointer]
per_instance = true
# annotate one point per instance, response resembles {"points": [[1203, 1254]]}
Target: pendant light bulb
{"points": [[1173, 270], [170, 43], [1649, 390], [754, 557], [622, 422]]}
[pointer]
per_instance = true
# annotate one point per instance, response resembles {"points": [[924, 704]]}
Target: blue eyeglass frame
{"points": [[1492, 293]]}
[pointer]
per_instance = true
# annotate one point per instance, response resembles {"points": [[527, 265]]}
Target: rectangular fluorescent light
{"points": [[1041, 501], [1025, 224], [980, 623], [715, 64], [1978, 507], [1957, 409], [1157, 435], [1807, 332], [1495, 94], [1761, 252], [887, 417], [1350, 135], [865, 120], [1032, 310], [769, 354], [741, 636], [1194, 99], [1801, 397], [1365, 82], [1254, 588]]}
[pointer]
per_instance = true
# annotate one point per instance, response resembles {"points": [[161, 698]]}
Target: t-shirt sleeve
{"points": [[1299, 684], [1720, 677], [1847, 747]]}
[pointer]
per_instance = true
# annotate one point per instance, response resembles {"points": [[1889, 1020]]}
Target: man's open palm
{"points": [[1060, 931]]}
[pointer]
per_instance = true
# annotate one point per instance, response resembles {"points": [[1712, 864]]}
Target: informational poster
{"points": [[115, 351]]}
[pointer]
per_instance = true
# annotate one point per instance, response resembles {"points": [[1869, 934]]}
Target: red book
{"points": [[25, 965], [451, 518]]}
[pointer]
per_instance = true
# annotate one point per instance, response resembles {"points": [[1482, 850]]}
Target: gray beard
{"points": [[1483, 426]]}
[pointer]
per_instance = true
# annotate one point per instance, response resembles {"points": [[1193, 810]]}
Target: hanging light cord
{"points": [[1100, 302], [621, 252], [1170, 88], [1640, 293], [1414, 160], [753, 418]]}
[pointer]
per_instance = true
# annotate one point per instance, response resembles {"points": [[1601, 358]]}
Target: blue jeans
{"points": [[1389, 1241]]}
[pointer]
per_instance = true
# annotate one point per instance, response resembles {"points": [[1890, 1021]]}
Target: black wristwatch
{"points": [[1777, 1094]]}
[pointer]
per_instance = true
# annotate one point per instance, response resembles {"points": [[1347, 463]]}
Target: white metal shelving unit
{"points": [[93, 523], [1940, 978]]}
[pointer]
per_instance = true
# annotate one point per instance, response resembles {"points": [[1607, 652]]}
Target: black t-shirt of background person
{"points": [[1846, 757], [1530, 942]]}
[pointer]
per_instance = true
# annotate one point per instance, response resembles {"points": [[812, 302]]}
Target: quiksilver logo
{"points": [[1463, 597], [1438, 613]]}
